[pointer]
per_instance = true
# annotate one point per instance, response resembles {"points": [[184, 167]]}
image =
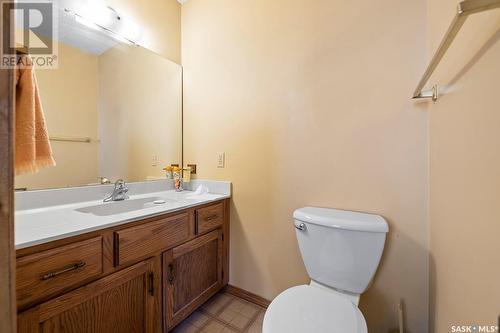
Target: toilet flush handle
{"points": [[301, 227]]}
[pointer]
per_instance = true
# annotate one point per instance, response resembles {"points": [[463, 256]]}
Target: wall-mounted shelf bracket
{"points": [[432, 93]]}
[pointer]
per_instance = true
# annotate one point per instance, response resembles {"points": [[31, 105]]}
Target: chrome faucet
{"points": [[119, 193]]}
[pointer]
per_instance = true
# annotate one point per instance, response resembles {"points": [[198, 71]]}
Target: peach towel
{"points": [[32, 146]]}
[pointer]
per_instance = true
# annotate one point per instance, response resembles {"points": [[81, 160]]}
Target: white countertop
{"points": [[44, 224]]}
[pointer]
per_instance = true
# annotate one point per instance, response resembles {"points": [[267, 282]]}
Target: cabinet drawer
{"points": [[139, 242], [209, 218], [53, 271]]}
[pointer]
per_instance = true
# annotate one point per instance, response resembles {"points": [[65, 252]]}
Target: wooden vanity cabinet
{"points": [[209, 218], [143, 276], [52, 272], [121, 302], [134, 243], [192, 274]]}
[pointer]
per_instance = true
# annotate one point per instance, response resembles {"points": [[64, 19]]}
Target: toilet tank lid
{"points": [[342, 219]]}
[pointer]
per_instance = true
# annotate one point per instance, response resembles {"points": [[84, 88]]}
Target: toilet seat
{"points": [[307, 309]]}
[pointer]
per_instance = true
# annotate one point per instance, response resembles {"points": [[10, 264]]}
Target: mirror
{"points": [[112, 110]]}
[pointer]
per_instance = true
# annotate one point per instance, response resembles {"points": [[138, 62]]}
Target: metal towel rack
{"points": [[70, 139], [465, 9]]}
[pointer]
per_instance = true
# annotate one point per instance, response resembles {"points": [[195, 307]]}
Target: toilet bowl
{"points": [[310, 309], [341, 251]]}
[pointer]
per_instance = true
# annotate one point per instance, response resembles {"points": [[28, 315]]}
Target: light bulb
{"points": [[97, 12]]}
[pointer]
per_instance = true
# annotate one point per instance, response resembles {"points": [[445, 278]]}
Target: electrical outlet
{"points": [[154, 160], [221, 160], [193, 168]]}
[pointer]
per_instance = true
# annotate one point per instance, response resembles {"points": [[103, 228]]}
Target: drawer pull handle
{"points": [[210, 218], [171, 276], [66, 269]]}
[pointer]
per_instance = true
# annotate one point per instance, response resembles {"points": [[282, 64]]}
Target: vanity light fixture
{"points": [[98, 12], [105, 18]]}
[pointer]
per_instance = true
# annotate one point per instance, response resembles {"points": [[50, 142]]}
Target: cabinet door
{"points": [[119, 303], [192, 274]]}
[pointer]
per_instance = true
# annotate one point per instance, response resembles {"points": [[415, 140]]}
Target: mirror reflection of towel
{"points": [[32, 146]]}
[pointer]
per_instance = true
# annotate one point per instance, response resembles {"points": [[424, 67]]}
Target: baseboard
{"points": [[247, 296]]}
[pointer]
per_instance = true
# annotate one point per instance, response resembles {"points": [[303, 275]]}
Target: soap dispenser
{"points": [[177, 174]]}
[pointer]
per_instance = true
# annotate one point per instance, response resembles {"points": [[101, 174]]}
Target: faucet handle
{"points": [[120, 183], [119, 192]]}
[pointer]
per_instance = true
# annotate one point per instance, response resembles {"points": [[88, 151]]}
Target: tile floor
{"points": [[224, 313]]}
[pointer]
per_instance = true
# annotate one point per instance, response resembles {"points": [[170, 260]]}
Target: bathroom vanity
{"points": [[129, 274], [138, 265]]}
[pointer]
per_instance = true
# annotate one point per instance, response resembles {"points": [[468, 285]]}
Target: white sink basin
{"points": [[126, 206]]}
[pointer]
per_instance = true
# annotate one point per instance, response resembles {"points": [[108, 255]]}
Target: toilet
{"points": [[341, 251]]}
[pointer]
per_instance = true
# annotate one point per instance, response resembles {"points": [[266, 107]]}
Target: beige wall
{"points": [[69, 115], [140, 114], [310, 102], [465, 178], [160, 21]]}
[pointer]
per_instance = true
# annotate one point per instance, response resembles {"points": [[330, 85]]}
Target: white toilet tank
{"points": [[340, 249]]}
